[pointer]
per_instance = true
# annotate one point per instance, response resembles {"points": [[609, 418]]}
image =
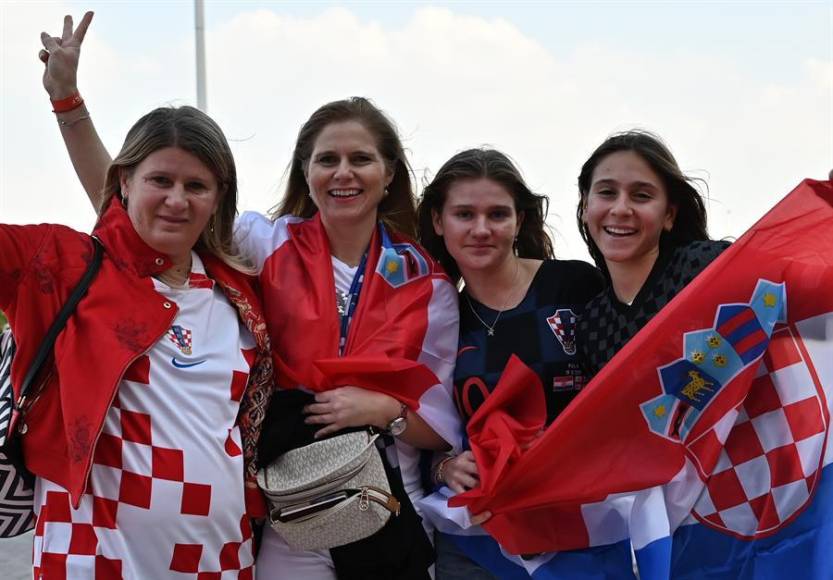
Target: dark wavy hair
{"points": [[690, 221], [533, 240], [397, 209]]}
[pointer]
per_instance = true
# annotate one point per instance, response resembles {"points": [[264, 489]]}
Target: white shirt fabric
{"points": [[165, 497]]}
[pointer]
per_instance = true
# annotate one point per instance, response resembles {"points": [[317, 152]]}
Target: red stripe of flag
{"points": [[750, 341], [735, 322]]}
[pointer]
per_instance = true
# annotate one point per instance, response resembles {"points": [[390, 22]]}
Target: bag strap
{"points": [[60, 321]]}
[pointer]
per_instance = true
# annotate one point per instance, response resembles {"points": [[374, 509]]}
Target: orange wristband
{"points": [[67, 104]]}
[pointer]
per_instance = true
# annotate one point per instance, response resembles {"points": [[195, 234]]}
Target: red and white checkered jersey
{"points": [[165, 494]]}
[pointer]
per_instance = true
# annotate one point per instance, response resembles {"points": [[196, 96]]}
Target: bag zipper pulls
{"points": [[364, 500], [17, 421]]}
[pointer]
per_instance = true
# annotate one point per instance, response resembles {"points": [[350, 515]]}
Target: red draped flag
{"points": [[715, 414]]}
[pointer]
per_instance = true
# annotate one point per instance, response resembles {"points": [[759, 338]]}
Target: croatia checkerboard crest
{"points": [[563, 326], [181, 337], [712, 358], [761, 461], [770, 462]]}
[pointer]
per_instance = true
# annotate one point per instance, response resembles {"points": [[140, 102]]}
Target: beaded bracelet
{"points": [[72, 122]]}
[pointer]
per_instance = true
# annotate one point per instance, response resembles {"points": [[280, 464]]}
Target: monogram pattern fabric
{"points": [[348, 464], [259, 388]]}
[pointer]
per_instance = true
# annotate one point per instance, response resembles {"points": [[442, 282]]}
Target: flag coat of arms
{"points": [[704, 442]]}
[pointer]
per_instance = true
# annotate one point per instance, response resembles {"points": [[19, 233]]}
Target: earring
{"points": [[386, 192], [124, 201]]}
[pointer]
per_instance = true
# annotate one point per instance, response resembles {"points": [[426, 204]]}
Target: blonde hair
{"points": [[193, 131]]}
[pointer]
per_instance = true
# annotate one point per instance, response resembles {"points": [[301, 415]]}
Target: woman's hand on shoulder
{"points": [[61, 55], [350, 407]]}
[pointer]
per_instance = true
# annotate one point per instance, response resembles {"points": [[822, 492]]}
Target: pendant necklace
{"points": [[342, 302], [490, 328]]}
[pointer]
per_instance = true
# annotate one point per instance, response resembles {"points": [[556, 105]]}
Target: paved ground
{"points": [[16, 558]]}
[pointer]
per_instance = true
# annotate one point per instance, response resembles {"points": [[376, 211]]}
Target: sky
{"points": [[742, 92]]}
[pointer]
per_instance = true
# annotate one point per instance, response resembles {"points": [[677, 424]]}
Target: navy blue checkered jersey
{"points": [[541, 331], [608, 324]]}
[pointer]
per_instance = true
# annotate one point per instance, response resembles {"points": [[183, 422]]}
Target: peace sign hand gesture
{"points": [[60, 55]]}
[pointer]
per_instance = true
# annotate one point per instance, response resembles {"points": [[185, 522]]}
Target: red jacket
{"points": [[119, 319]]}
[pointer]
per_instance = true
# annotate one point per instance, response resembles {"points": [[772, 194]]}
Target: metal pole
{"points": [[199, 28]]}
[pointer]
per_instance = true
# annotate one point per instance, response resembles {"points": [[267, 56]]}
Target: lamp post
{"points": [[199, 28]]}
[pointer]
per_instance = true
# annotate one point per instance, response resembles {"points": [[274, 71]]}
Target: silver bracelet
{"points": [[63, 123]]}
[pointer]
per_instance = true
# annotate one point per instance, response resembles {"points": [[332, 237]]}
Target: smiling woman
{"points": [[348, 178], [170, 196], [346, 286], [645, 226], [626, 212], [363, 322], [166, 298]]}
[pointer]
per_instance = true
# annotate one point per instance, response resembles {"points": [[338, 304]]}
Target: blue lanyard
{"points": [[355, 290]]}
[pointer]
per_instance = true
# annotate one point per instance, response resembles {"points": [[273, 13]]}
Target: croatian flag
{"points": [[702, 444]]}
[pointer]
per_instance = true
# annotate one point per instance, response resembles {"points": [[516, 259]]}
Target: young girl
{"points": [[645, 226], [648, 235], [484, 224]]}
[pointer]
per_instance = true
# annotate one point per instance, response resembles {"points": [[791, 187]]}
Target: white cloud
{"points": [[450, 81]]}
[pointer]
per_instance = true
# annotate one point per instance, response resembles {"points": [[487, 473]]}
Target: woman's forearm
{"points": [[420, 435], [351, 406], [86, 151], [60, 56]]}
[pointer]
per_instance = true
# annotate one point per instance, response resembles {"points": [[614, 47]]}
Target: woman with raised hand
{"points": [[144, 431], [484, 224], [343, 288], [644, 224]]}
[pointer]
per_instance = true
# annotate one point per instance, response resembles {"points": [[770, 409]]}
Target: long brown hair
{"points": [[193, 131], [397, 209], [533, 240], [690, 221]]}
